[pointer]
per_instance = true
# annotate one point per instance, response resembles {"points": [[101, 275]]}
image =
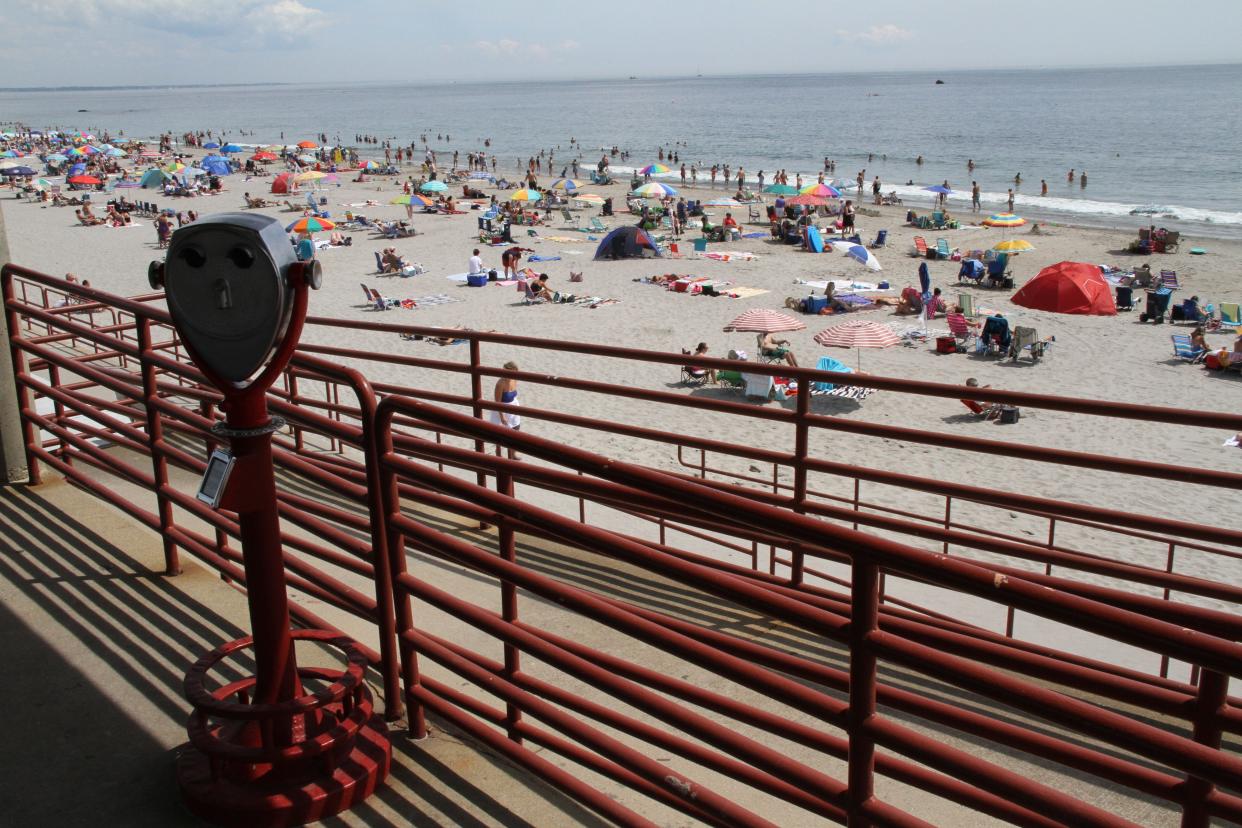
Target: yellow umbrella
{"points": [[1014, 246], [589, 198], [310, 175]]}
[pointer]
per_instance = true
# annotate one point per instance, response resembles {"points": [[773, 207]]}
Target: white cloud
{"points": [[252, 21], [516, 48], [886, 33]]}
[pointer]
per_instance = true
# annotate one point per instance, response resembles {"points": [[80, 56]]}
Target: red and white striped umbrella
{"points": [[761, 320], [858, 334]]}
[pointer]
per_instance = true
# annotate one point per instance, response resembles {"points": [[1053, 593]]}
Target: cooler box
{"points": [[476, 279], [946, 345]]}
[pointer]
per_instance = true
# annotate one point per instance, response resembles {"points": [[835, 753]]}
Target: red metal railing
{"points": [[353, 467]]}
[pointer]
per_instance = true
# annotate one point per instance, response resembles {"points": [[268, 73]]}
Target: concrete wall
{"points": [[12, 455]]}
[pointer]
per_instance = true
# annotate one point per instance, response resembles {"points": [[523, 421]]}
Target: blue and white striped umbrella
{"points": [[858, 253]]}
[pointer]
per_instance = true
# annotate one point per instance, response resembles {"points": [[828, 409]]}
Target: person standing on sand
{"points": [[974, 196], [506, 393], [761, 181]]}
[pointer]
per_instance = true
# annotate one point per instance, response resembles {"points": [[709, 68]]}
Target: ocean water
{"points": [[1164, 139]]}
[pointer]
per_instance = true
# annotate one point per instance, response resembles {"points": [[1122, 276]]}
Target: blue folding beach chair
{"points": [[1182, 349], [942, 249], [972, 270], [995, 337], [998, 270], [881, 239]]}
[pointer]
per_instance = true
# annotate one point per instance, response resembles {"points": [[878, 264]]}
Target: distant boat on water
{"points": [[939, 82]]}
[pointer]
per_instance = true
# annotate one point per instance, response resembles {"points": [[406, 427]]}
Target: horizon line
{"points": [[596, 78]]}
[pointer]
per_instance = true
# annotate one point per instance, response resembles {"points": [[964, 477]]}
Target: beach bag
{"points": [[492, 275], [1010, 414], [815, 304], [946, 345]]}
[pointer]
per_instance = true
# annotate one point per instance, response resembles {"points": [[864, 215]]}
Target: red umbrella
{"points": [[760, 320], [263, 156], [1068, 287], [809, 200], [84, 179]]}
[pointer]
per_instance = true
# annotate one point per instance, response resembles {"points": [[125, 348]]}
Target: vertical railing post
{"points": [[857, 496], [476, 398], [1213, 693], [509, 607], [948, 520], [864, 620], [291, 385], [155, 439], [1168, 567], [58, 413], [33, 470], [390, 502], [797, 557]]}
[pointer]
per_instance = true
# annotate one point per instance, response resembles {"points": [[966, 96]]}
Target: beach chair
{"points": [[881, 240], [972, 270], [920, 247], [378, 301], [994, 338], [1182, 349], [942, 249], [569, 217], [598, 226], [379, 262], [1168, 279], [1157, 305], [1124, 297], [998, 270], [528, 296], [985, 411], [1170, 241], [1230, 315], [828, 364], [754, 216], [967, 303], [1026, 339], [962, 330]]}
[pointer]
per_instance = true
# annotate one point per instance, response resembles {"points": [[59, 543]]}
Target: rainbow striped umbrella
{"points": [[174, 167], [414, 200], [820, 189], [368, 165], [526, 194], [1004, 220], [652, 169], [808, 200], [762, 320], [654, 190], [569, 185], [311, 224]]}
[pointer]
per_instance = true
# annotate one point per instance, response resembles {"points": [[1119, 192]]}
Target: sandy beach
{"points": [[1099, 357]]}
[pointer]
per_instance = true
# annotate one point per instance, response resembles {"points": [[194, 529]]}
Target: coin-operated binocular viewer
{"points": [[264, 750]]}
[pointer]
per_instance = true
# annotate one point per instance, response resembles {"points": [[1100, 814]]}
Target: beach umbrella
{"points": [[309, 175], [526, 194], [781, 189], [858, 253], [588, 198], [655, 190], [1068, 287], [113, 152], [174, 167], [76, 169], [9, 154], [1014, 246], [307, 145], [652, 169], [762, 320], [366, 165], [150, 154], [56, 158], [307, 159], [84, 179], [310, 224], [1004, 220], [211, 145], [10, 162], [820, 189], [414, 200], [858, 334], [193, 172], [809, 200], [16, 171], [264, 156], [434, 187], [569, 185], [230, 148], [42, 184], [939, 189], [722, 202]]}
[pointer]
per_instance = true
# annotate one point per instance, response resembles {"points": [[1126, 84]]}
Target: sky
{"points": [[163, 42]]}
